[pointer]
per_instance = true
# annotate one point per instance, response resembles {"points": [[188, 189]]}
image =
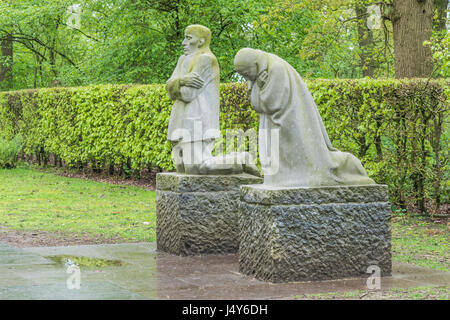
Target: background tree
{"points": [[6, 59], [440, 15], [135, 41], [412, 25]]}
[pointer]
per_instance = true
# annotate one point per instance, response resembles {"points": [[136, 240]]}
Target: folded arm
{"points": [[187, 87]]}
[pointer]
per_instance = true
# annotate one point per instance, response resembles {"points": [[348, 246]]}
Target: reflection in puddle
{"points": [[85, 262]]}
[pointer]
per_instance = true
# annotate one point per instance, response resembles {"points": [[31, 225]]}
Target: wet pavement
{"points": [[145, 274]]}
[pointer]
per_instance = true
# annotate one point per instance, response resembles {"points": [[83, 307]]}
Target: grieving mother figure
{"points": [[294, 147]]}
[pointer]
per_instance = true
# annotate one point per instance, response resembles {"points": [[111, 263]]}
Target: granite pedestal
{"points": [[198, 214], [302, 234]]}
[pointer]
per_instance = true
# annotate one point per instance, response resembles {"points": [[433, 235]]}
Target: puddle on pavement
{"points": [[85, 262]]}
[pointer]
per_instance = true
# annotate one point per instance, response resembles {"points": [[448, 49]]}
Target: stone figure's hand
{"points": [[262, 78], [192, 80], [250, 85]]}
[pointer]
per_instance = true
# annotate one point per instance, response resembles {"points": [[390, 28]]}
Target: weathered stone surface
{"points": [[175, 182], [198, 214], [305, 195], [301, 234]]}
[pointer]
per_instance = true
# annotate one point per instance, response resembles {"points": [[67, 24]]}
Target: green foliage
{"points": [[440, 46], [138, 41], [398, 128], [119, 41], [9, 150]]}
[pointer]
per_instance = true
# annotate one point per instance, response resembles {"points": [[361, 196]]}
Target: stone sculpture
{"points": [[197, 207], [318, 215], [194, 119], [303, 154], [194, 86]]}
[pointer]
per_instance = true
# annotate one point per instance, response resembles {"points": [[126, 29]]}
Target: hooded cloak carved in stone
{"points": [[294, 147]]}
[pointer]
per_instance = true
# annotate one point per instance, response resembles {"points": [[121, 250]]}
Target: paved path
{"points": [[145, 274]]}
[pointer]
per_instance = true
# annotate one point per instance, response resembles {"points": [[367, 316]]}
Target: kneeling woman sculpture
{"points": [[293, 144]]}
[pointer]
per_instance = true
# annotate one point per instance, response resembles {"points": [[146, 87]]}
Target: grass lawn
{"points": [[36, 200], [33, 200], [418, 293], [421, 242]]}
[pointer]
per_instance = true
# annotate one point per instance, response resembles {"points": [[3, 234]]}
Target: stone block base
{"points": [[302, 234], [198, 214]]}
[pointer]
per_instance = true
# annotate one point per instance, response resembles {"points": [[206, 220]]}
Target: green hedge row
{"points": [[398, 128]]}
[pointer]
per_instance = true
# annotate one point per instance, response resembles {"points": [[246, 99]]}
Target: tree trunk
{"points": [[437, 168], [6, 54], [439, 22], [111, 169], [412, 24], [365, 41]]}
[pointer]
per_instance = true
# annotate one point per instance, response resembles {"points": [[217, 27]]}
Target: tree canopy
{"points": [[61, 43]]}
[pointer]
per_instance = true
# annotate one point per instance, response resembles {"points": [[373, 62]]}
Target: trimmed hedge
{"points": [[9, 151], [398, 128]]}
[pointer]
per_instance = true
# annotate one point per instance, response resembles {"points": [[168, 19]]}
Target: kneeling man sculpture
{"points": [[194, 119], [197, 206]]}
